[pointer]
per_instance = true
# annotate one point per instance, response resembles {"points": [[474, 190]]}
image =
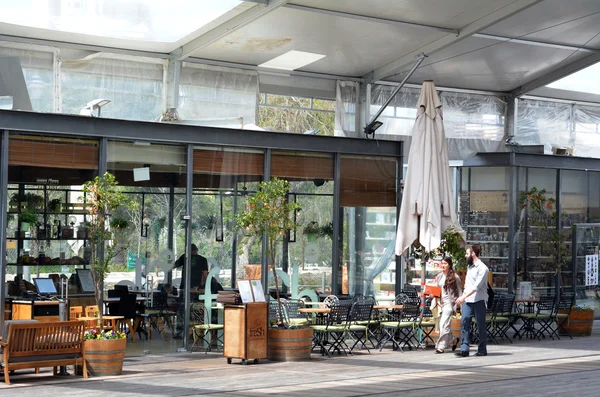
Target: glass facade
{"points": [[46, 173], [520, 250]]}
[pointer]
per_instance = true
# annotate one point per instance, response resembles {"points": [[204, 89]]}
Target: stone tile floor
{"points": [[525, 368]]}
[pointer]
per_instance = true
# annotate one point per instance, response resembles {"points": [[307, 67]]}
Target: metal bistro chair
{"points": [[544, 316], [203, 329], [504, 317], [426, 324], [360, 322], [330, 336], [402, 331], [563, 309]]}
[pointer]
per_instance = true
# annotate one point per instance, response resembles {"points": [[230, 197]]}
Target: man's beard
{"points": [[470, 260]]}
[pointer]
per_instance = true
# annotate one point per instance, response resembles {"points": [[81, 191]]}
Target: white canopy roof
{"points": [[511, 46]]}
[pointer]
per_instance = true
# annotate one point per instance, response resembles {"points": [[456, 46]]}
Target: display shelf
{"points": [[498, 226], [487, 242], [498, 273]]}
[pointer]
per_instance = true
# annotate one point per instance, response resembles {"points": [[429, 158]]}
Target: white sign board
{"points": [[257, 291], [591, 270], [245, 291]]}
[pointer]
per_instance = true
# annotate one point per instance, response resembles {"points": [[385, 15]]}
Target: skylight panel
{"points": [[585, 80], [144, 20], [292, 60]]}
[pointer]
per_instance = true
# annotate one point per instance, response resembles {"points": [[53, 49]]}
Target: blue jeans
{"points": [[468, 309]]}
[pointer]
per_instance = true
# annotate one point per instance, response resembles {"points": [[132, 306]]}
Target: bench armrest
{"points": [[3, 344]]}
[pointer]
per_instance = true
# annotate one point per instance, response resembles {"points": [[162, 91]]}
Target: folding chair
{"points": [[402, 330], [292, 316], [544, 316], [563, 309], [332, 334], [426, 323], [203, 329], [359, 323], [504, 317]]}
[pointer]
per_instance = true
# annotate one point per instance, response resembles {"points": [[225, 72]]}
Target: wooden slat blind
{"points": [[228, 163], [52, 154], [367, 182], [301, 167]]}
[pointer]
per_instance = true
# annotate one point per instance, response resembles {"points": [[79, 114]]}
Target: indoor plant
{"points": [[268, 212], [102, 199], [311, 231], [540, 211], [27, 218]]}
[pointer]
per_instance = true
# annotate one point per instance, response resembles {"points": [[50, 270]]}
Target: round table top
{"points": [[314, 310]]}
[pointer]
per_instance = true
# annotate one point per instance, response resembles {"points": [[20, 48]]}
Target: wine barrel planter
{"points": [[289, 344], [105, 357], [579, 323]]}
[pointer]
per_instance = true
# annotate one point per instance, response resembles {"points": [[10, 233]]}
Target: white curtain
{"points": [[346, 104], [473, 123], [133, 85], [559, 124], [218, 96], [37, 65]]}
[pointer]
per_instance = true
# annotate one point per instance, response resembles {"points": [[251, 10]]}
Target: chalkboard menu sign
{"points": [[86, 281]]}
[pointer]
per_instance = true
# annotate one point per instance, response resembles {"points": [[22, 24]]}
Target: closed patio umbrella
{"points": [[427, 202]]}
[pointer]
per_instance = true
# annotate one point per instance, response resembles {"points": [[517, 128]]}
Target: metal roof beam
{"points": [[482, 23], [535, 43], [370, 19], [227, 28], [556, 74]]}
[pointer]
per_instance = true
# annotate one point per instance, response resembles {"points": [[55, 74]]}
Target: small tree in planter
{"points": [[269, 212], [102, 199]]}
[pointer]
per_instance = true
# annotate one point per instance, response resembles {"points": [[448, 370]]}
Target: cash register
{"points": [[43, 306]]}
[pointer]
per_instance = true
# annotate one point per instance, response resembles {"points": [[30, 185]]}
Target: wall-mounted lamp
{"points": [[96, 104], [145, 225]]}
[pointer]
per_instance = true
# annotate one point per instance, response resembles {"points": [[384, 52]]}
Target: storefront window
{"points": [[368, 199], [46, 223]]}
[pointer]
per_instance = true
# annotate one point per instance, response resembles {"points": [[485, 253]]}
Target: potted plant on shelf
{"points": [[103, 199], [540, 211], [55, 205], [27, 218], [268, 212]]}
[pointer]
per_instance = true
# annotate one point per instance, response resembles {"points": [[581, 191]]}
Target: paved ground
{"points": [[525, 368]]}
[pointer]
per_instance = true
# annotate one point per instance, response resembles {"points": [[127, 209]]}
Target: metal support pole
{"points": [[188, 242], [170, 228], [336, 245], [264, 273], [3, 210], [369, 127], [102, 169], [399, 190], [234, 242]]}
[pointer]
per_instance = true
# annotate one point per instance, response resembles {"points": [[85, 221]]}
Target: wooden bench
{"points": [[34, 344]]}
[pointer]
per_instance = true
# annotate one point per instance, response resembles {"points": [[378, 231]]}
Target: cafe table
{"points": [[318, 312], [91, 322]]}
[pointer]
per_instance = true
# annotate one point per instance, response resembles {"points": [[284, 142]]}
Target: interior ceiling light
{"points": [[292, 60]]}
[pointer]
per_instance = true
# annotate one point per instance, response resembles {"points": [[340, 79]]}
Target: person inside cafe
{"points": [[198, 271], [473, 300], [450, 285]]}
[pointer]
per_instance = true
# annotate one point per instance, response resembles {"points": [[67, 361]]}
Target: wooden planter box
{"points": [[289, 344], [579, 323]]}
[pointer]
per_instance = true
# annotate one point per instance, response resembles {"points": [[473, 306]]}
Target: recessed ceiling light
{"points": [[292, 60]]}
